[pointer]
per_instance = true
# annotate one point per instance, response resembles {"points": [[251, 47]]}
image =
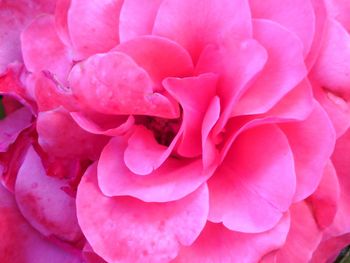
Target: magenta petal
{"points": [[324, 200], [43, 50], [128, 230], [247, 192], [176, 20], [42, 201], [137, 18], [296, 15], [283, 71], [12, 125], [303, 237], [60, 136], [61, 21], [21, 243], [112, 83], [172, 181], [194, 95], [219, 244], [93, 26], [171, 59], [312, 142]]}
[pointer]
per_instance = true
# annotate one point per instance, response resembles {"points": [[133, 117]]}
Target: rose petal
{"points": [[129, 230], [296, 15], [61, 20], [93, 26], [42, 202], [183, 22], [113, 83], [247, 192], [171, 59], [172, 181], [312, 142], [218, 244], [283, 71], [137, 18], [43, 50]]}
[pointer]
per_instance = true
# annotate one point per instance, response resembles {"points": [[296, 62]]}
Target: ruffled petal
{"points": [[93, 26], [312, 142], [60, 136], [219, 244], [43, 50], [283, 71], [137, 18], [112, 83], [247, 192], [123, 229], [183, 22], [296, 15], [42, 201], [172, 181]]}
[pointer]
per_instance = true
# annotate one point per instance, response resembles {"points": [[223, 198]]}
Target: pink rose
{"points": [[207, 131]]}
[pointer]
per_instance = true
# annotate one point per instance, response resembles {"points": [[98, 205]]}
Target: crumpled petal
{"points": [[93, 26], [137, 18], [247, 192], [128, 230], [183, 22], [172, 181], [283, 71], [112, 83], [42, 201], [219, 244]]}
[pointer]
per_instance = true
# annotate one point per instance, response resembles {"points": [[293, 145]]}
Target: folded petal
{"points": [[12, 125], [312, 142], [21, 243], [124, 229], [250, 190], [219, 244], [42, 49], [93, 26], [60, 136], [42, 201], [297, 16], [283, 71], [195, 23], [172, 181], [137, 18], [171, 59], [112, 83]]}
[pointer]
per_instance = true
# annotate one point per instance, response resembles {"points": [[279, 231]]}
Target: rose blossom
{"points": [[170, 130]]}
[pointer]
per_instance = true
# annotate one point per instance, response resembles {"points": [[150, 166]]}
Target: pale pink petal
{"points": [[339, 9], [324, 200], [137, 18], [283, 71], [172, 181], [312, 142], [21, 243], [255, 183], [296, 15], [237, 63], [171, 59], [93, 26], [303, 237], [42, 201], [219, 244], [112, 83], [125, 229], [332, 67], [60, 136], [12, 125], [110, 125], [43, 50], [196, 23], [194, 95]]}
